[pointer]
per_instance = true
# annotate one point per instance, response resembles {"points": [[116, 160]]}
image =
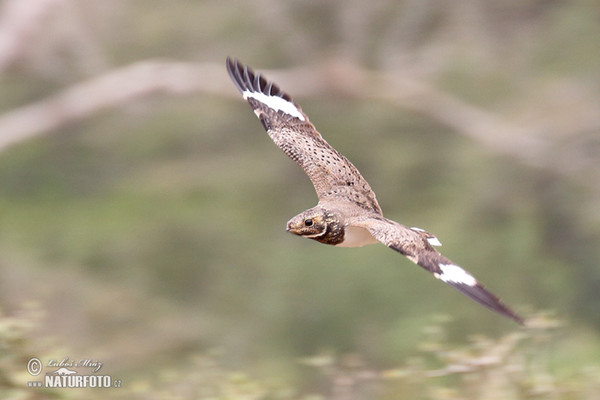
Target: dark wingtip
{"points": [[512, 315], [484, 297], [236, 71], [518, 319], [245, 78]]}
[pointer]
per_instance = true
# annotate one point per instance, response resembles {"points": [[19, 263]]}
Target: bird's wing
{"points": [[416, 245], [332, 175]]}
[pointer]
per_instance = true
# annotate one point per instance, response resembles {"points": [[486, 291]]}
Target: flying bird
{"points": [[347, 214]]}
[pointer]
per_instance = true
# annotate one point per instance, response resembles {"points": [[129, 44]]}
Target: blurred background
{"points": [[143, 207]]}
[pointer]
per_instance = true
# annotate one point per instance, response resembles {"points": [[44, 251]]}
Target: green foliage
{"points": [[515, 366]]}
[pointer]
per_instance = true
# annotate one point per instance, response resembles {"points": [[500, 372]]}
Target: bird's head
{"points": [[319, 224], [310, 223]]}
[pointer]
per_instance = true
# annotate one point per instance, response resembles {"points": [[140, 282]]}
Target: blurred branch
{"points": [[124, 85], [20, 22], [113, 89]]}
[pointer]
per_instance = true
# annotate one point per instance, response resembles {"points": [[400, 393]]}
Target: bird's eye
{"points": [[308, 222]]}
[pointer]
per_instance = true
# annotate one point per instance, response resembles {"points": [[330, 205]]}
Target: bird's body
{"points": [[347, 214]]}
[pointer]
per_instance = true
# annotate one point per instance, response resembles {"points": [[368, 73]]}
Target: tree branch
{"points": [[112, 89], [129, 83]]}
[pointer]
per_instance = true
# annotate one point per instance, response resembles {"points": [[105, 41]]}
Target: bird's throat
{"points": [[334, 234]]}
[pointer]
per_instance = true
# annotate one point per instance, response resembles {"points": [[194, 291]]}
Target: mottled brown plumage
{"points": [[347, 214]]}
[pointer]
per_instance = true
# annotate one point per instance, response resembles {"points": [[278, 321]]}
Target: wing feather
{"points": [[414, 244], [330, 172]]}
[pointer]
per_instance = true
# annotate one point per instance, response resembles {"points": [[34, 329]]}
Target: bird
{"points": [[347, 213]]}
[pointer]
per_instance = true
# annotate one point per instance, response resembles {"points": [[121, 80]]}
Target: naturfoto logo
{"points": [[67, 373]]}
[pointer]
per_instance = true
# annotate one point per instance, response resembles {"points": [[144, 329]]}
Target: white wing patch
{"points": [[455, 274], [276, 103], [431, 239], [434, 241]]}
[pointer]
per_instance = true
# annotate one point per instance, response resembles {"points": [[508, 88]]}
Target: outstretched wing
{"points": [[330, 172], [416, 245]]}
